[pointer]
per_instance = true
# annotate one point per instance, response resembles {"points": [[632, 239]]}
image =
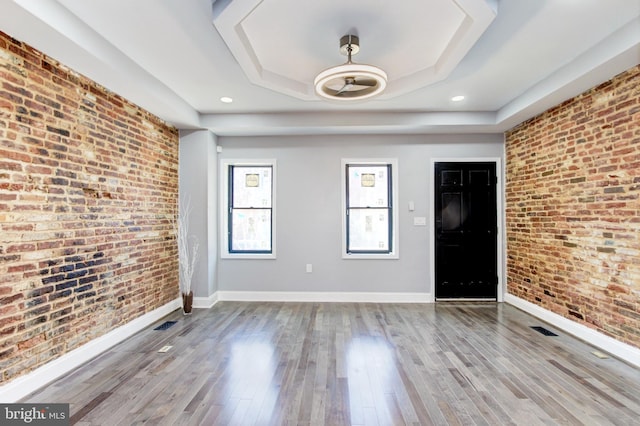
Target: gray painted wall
{"points": [[198, 174], [308, 217]]}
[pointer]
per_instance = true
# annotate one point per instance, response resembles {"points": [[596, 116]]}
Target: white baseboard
{"points": [[205, 302], [24, 385], [359, 297], [608, 344]]}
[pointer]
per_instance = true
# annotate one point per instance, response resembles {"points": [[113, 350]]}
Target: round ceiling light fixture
{"points": [[349, 81]]}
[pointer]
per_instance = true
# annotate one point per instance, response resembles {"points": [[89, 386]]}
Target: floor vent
{"points": [[543, 330], [165, 325], [600, 355]]}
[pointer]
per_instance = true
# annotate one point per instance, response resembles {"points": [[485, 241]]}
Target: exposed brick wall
{"points": [[573, 208], [88, 185]]}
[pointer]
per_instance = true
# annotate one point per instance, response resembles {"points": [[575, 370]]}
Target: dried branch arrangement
{"points": [[187, 247]]}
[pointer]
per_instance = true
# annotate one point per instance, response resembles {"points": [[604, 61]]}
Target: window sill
{"points": [[373, 256], [252, 256]]}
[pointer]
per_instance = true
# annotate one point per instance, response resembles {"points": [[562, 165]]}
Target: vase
{"points": [[187, 303]]}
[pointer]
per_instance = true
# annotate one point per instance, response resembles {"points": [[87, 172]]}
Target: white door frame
{"points": [[500, 236]]}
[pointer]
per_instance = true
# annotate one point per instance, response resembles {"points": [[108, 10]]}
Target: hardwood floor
{"points": [[350, 363]]}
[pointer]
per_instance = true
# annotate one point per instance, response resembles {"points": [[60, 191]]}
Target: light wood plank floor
{"points": [[350, 363]]}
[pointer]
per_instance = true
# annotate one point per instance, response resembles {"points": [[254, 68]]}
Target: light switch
{"points": [[412, 206], [420, 221]]}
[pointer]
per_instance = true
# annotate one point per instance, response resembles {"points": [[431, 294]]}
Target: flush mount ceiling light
{"points": [[350, 82]]}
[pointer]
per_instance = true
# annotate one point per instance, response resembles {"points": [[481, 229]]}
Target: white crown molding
{"points": [[24, 385], [608, 344]]}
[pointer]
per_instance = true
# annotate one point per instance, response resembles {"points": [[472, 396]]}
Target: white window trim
{"points": [[395, 240], [224, 206]]}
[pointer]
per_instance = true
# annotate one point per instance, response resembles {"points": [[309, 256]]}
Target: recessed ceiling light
{"points": [[226, 99], [457, 98]]}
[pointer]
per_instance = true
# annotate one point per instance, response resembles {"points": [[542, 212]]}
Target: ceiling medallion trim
{"points": [[350, 81]]}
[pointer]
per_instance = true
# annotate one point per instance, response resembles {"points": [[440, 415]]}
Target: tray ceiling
{"points": [[510, 59]]}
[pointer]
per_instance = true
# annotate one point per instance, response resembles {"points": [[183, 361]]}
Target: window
{"points": [[369, 220], [248, 221]]}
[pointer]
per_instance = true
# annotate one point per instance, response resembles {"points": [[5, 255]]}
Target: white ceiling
{"points": [[511, 59]]}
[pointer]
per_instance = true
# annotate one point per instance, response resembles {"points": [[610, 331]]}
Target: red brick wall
{"points": [[88, 185], [573, 209]]}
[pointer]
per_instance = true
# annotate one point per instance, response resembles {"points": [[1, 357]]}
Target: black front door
{"points": [[466, 230]]}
